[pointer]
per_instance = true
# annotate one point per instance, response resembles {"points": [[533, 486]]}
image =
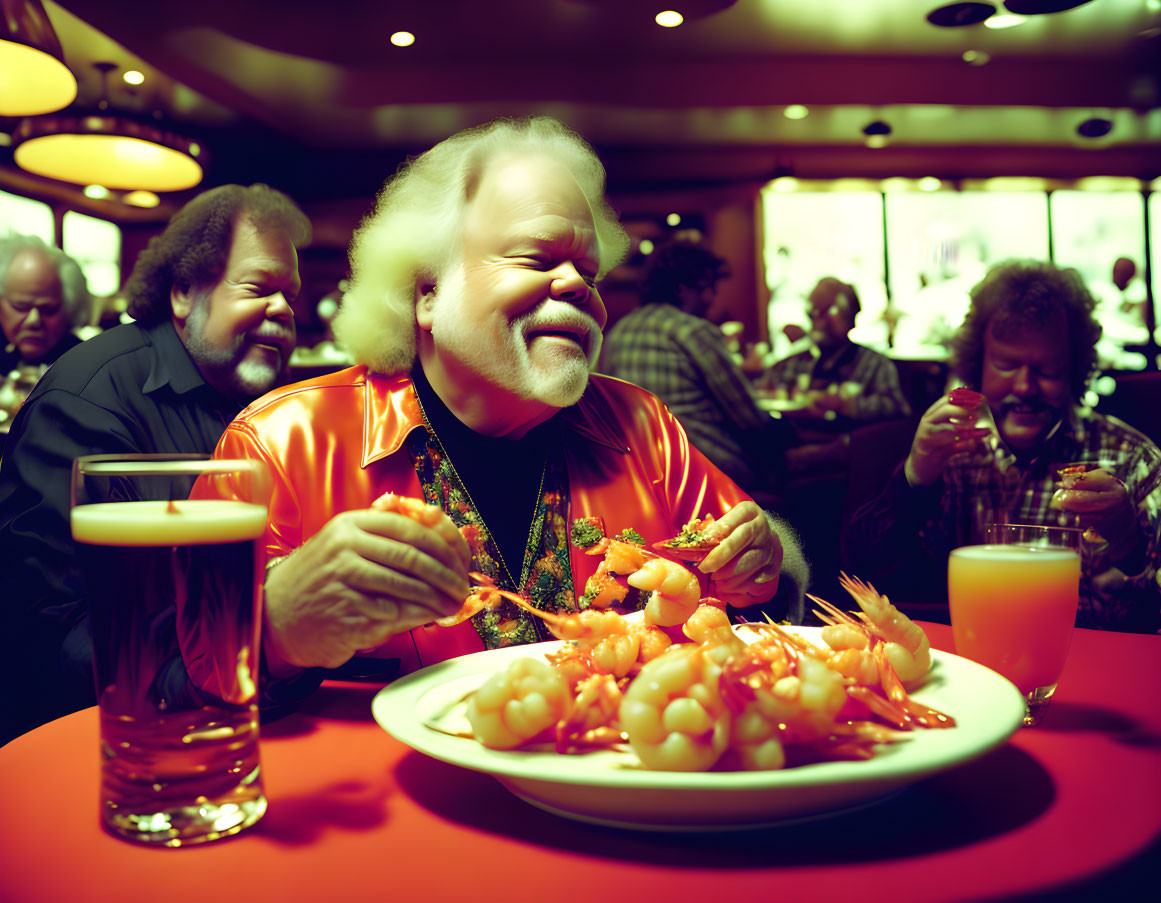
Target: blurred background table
{"points": [[1068, 810]]}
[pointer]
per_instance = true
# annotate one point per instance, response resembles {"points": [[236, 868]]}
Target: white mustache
{"points": [[280, 336], [553, 316]]}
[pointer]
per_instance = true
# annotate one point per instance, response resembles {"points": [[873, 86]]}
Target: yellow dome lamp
{"points": [[108, 149], [33, 76]]}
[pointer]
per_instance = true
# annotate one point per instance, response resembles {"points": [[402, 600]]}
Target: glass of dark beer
{"points": [[174, 603]]}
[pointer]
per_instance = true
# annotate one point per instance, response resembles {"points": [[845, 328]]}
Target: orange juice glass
{"points": [[1013, 606]]}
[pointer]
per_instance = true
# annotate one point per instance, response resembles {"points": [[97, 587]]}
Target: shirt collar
{"points": [[391, 411], [172, 366]]}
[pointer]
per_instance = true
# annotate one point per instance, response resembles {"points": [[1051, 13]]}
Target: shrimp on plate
{"points": [[906, 645], [591, 720], [675, 591], [518, 704], [673, 713]]}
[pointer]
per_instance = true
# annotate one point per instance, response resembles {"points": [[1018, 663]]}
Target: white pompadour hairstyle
{"points": [[416, 229]]}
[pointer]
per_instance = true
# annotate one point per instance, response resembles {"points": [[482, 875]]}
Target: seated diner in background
{"points": [[213, 330], [43, 299], [474, 316], [837, 377], [668, 347], [1028, 345]]}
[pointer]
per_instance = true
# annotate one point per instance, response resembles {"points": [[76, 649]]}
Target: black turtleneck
{"points": [[502, 476]]}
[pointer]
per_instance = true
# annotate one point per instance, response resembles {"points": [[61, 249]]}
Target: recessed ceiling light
{"points": [[403, 39], [1041, 7], [133, 77], [669, 18], [1004, 20], [958, 15], [645, 246], [141, 198], [674, 219], [796, 111], [96, 192], [1096, 127]]}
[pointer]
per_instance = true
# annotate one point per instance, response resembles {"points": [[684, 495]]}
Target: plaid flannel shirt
{"points": [[881, 396], [989, 484], [683, 360]]}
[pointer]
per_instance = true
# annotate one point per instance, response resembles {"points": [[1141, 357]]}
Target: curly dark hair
{"points": [[678, 264], [1020, 294], [193, 249]]}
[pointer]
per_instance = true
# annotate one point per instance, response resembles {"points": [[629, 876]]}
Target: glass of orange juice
{"points": [[1013, 605]]}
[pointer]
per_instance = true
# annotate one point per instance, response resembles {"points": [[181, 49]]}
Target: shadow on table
{"points": [[960, 803], [333, 702], [1076, 717], [348, 805]]}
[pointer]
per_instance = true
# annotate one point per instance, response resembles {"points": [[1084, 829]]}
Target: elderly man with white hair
{"points": [[43, 298], [475, 317]]}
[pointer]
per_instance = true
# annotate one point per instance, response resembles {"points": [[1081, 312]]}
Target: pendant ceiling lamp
{"points": [[33, 76], [108, 149]]}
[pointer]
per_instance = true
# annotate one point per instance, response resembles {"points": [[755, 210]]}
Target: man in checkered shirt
{"points": [[1028, 343]]}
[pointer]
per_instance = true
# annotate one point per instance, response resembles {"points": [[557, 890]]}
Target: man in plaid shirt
{"points": [[822, 375], [1028, 343], [668, 347]]}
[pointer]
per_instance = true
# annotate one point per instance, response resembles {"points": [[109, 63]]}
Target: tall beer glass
{"points": [[1013, 604], [174, 609]]}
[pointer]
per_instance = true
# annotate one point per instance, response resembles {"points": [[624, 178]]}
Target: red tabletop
{"points": [[355, 815]]}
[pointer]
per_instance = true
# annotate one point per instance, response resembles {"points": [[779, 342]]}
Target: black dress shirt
{"points": [[131, 389]]}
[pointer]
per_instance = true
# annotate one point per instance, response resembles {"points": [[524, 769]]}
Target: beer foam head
{"points": [[1013, 552]]}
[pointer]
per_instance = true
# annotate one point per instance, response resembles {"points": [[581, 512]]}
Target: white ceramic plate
{"points": [[610, 786]]}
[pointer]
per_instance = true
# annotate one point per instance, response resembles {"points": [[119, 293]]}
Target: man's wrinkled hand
{"points": [[944, 430], [745, 564], [1102, 505], [365, 576]]}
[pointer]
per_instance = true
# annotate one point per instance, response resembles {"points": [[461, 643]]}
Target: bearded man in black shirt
{"points": [[211, 298]]}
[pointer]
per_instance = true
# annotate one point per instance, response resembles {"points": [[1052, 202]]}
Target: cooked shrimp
{"points": [[417, 509], [705, 620], [673, 712], [602, 588], [592, 717], [621, 557], [907, 647], [848, 644], [653, 641], [516, 705], [675, 595], [778, 699]]}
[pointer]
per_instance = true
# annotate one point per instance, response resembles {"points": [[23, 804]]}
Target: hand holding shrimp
{"points": [[747, 560], [365, 576], [1102, 505]]}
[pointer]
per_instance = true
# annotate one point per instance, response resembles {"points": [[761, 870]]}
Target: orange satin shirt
{"points": [[334, 444]]}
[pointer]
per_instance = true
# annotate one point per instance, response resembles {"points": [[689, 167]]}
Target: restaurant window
{"points": [[24, 216], [1091, 230], [940, 244], [95, 244], [810, 234]]}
